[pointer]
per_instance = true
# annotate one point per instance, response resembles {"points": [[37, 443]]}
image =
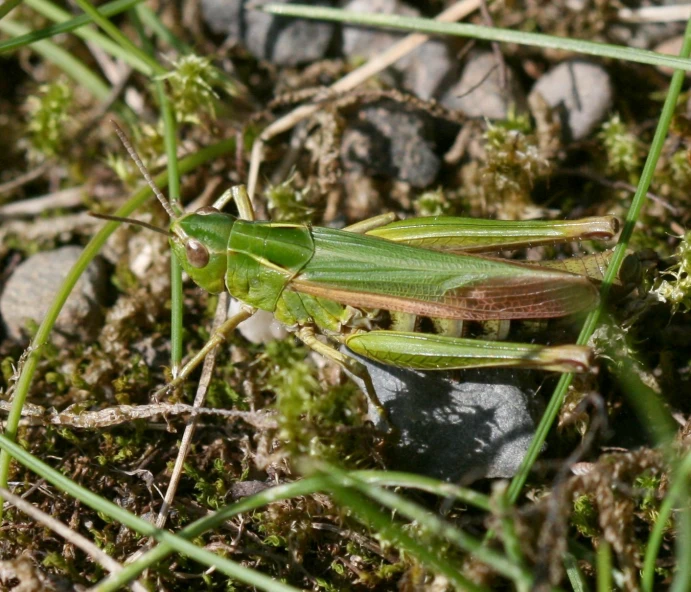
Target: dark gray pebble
{"points": [[388, 139], [280, 40]]}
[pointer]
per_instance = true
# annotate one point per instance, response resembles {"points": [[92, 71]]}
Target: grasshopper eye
{"points": [[204, 211], [197, 254]]}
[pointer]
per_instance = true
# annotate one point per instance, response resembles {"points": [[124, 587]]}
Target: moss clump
{"points": [[47, 114], [622, 147], [432, 203], [193, 82], [675, 286], [326, 423], [512, 163], [287, 204]]}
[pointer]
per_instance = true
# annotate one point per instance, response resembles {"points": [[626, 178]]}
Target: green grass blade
{"points": [[8, 6], [422, 25], [510, 537], [678, 490], [369, 514], [51, 11], [176, 304], [575, 575], [151, 20], [170, 141], [659, 423], [604, 567], [682, 577], [74, 68], [230, 568], [414, 481], [274, 494], [154, 68], [110, 9], [281, 492], [90, 251], [342, 485], [590, 324]]}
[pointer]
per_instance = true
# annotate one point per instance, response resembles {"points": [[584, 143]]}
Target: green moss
{"points": [[193, 83], [680, 169], [432, 203], [649, 486], [47, 114], [584, 517], [287, 204], [7, 368], [505, 177], [675, 285], [623, 148], [61, 564], [133, 379], [313, 420], [211, 490]]}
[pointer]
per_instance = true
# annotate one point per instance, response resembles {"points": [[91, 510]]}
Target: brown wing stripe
{"points": [[535, 300]]}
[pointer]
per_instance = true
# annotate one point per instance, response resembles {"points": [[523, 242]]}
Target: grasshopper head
{"points": [[200, 241]]}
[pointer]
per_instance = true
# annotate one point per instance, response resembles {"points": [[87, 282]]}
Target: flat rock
{"points": [[479, 92], [456, 431], [388, 139], [580, 92], [32, 287], [422, 71], [282, 41]]}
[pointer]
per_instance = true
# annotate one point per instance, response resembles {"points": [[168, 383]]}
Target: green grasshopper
{"points": [[331, 282]]}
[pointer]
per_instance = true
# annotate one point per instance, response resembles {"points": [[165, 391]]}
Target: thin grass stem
{"points": [[107, 10], [90, 251]]}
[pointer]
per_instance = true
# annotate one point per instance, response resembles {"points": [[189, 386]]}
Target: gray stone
{"points": [[457, 431], [224, 17], [281, 40], [479, 92], [31, 289], [422, 71], [580, 92], [391, 140]]}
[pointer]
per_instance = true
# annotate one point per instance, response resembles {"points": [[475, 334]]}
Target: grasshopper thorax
{"points": [[200, 241]]}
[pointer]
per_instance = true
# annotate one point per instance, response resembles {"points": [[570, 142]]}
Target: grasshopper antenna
{"points": [[144, 171], [130, 221]]}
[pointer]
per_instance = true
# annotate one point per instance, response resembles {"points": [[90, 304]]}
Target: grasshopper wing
{"points": [[369, 272]]}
